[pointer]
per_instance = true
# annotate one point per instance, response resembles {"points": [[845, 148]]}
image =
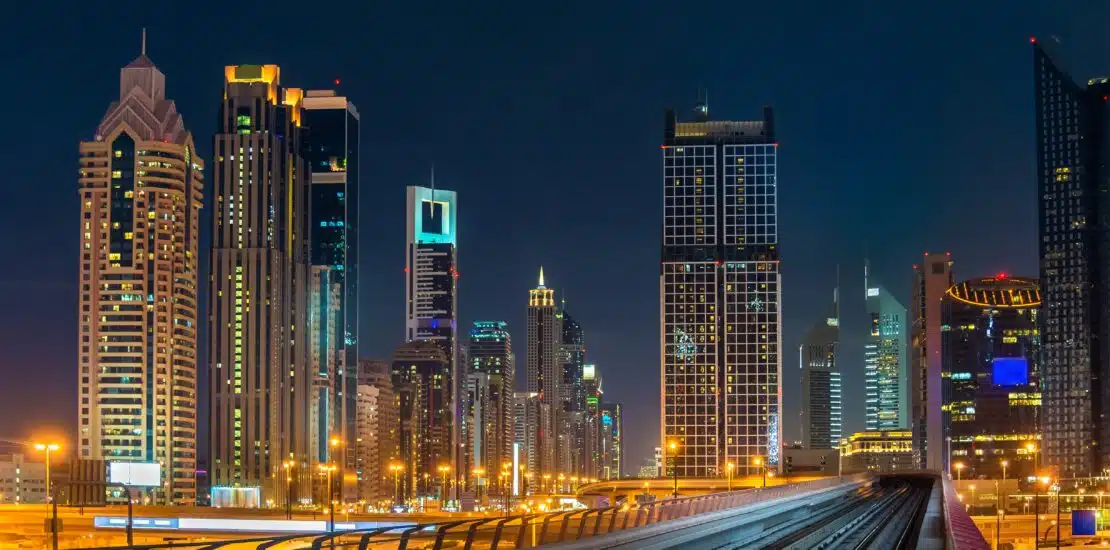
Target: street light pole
{"points": [[1059, 486], [673, 446], [729, 467]]}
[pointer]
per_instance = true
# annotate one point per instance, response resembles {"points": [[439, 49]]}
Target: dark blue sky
{"points": [[904, 127]]}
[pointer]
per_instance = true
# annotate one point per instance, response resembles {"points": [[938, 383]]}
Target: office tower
{"points": [[1075, 270], [545, 374], [261, 374], [720, 286], [526, 427], [477, 420], [612, 459], [331, 155], [140, 187], [884, 359], [591, 422], [377, 431], [490, 351], [421, 380], [821, 388], [572, 392], [992, 396], [931, 280], [431, 288]]}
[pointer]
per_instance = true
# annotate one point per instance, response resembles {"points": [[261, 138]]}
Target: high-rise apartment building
{"points": [[376, 444], [526, 428], [140, 187], [886, 389], [1072, 145], [421, 380], [612, 442], [431, 289], [490, 352], [931, 280], [331, 156], [572, 392], [591, 422], [822, 402], [990, 356], [261, 374], [720, 294], [545, 374]]}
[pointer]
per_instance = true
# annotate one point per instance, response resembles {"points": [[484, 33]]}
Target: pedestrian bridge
{"points": [[910, 510]]}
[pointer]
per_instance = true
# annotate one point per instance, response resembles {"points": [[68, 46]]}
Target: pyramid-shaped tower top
{"points": [[541, 278]]}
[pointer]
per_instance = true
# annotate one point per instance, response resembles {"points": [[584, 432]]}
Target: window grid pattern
{"points": [[690, 195], [690, 376], [752, 342], [1067, 205], [750, 195]]}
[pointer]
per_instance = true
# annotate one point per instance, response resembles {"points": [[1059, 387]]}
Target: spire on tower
{"points": [[541, 278], [143, 50]]}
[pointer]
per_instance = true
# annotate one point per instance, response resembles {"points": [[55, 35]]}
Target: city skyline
{"points": [[588, 311]]}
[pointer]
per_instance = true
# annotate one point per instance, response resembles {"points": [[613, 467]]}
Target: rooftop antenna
{"points": [[143, 51], [702, 107], [836, 294], [433, 182]]}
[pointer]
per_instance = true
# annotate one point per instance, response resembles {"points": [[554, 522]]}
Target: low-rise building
{"points": [[21, 481], [878, 451]]}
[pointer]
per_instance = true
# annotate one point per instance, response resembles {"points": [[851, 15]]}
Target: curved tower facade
{"points": [[140, 187]]}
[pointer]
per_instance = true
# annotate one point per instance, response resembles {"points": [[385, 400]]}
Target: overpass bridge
{"points": [[894, 511]]}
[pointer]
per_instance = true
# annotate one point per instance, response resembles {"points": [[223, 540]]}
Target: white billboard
{"points": [[135, 474]]}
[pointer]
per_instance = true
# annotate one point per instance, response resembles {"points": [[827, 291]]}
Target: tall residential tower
{"points": [[720, 294], [261, 374], [931, 281], [140, 189], [545, 374], [1074, 238]]}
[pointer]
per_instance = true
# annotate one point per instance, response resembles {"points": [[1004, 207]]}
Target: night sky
{"points": [[903, 128]]}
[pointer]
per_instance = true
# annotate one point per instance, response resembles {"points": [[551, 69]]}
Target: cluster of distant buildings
{"points": [[290, 397]]}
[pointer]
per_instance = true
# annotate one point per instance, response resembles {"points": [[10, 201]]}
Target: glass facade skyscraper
{"points": [[720, 294], [331, 155], [992, 399], [885, 359], [490, 352], [822, 415], [1072, 178]]}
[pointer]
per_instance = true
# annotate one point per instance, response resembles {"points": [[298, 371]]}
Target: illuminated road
{"points": [[21, 526]]}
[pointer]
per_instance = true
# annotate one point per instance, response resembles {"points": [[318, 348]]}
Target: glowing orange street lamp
{"points": [[47, 447]]}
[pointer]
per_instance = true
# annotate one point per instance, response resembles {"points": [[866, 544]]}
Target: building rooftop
{"points": [[1000, 291]]}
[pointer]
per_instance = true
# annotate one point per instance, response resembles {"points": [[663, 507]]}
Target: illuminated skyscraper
{"points": [[377, 443], [140, 188], [591, 422], [421, 381], [545, 373], [332, 157], [261, 373], [431, 288], [572, 392], [720, 294], [885, 360], [992, 398], [818, 355], [490, 352], [931, 281], [612, 441], [1074, 240]]}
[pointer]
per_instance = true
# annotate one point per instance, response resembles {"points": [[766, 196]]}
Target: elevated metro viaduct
{"points": [[617, 491]]}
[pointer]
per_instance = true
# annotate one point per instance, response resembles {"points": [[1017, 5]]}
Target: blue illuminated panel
{"points": [[1009, 371], [1083, 523]]}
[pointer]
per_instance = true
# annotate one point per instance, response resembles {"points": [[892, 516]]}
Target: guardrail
{"points": [[960, 531], [525, 531]]}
